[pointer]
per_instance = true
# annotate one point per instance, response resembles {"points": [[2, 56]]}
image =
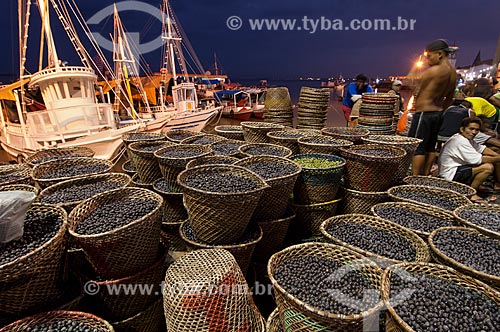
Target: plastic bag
{"points": [[13, 208]]}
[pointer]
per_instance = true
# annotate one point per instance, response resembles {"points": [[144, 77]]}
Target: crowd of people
{"points": [[463, 125]]}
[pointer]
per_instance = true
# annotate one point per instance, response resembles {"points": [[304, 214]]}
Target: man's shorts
{"points": [[347, 112], [426, 125], [464, 174]]}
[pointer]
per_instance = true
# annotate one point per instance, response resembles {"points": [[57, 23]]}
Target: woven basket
{"points": [[277, 99], [126, 250], [151, 319], [273, 236], [121, 180], [204, 139], [274, 201], [295, 315], [43, 169], [120, 306], [273, 323], [420, 180], [256, 132], [90, 321], [481, 228], [286, 138], [309, 218], [234, 152], [230, 132], [128, 168], [58, 153], [442, 258], [361, 202], [242, 251], [277, 151], [206, 291], [137, 182], [129, 138], [409, 144], [145, 162], [212, 160], [171, 166], [15, 174], [354, 135], [446, 217], [20, 187], [371, 173], [422, 251], [32, 281], [171, 232], [177, 136], [394, 323], [173, 206], [322, 144], [451, 197], [220, 217], [318, 185]]}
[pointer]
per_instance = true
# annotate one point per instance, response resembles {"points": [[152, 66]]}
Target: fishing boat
{"points": [[240, 104], [57, 106]]}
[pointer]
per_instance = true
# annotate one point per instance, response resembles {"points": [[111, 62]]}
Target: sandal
{"points": [[486, 200]]}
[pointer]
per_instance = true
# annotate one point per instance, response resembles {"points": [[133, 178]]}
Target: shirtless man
{"points": [[434, 95]]}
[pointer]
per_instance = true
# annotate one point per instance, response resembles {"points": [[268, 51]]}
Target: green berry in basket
{"points": [[317, 162]]}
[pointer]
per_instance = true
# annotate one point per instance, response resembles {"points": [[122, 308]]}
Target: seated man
{"points": [[487, 137], [465, 161]]}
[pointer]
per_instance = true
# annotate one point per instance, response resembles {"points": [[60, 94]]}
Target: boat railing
{"points": [[70, 69]]}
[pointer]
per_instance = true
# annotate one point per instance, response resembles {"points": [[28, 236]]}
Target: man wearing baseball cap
{"points": [[434, 94]]}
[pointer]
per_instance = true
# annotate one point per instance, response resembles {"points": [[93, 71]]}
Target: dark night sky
{"points": [[247, 54]]}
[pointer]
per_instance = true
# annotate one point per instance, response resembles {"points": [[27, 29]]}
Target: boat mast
{"points": [[52, 57]]}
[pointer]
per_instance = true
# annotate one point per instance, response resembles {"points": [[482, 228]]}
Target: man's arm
{"points": [[490, 152]]}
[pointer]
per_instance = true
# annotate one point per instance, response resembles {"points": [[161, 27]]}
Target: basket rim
{"points": [[169, 133], [71, 221], [68, 313], [304, 139], [471, 191], [320, 155], [456, 264], [182, 146], [416, 241], [60, 233], [135, 183], [365, 192], [158, 302], [315, 310], [161, 192], [210, 157], [272, 134], [272, 317], [466, 222], [336, 200], [47, 164], [200, 191], [352, 151], [415, 207], [248, 160], [220, 129], [133, 146], [386, 289], [246, 146], [30, 159], [438, 191], [67, 183], [403, 140], [128, 141], [289, 215], [216, 246], [217, 139], [354, 131], [257, 125]]}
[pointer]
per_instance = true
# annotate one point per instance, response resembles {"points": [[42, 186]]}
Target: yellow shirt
{"points": [[482, 107]]}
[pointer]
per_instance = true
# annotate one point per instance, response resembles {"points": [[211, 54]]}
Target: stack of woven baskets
{"points": [[278, 107], [313, 108], [377, 113], [315, 192], [370, 169]]}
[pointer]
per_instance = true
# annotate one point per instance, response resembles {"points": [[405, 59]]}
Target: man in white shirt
{"points": [[465, 161]]}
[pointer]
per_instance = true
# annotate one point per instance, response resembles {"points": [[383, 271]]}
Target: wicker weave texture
{"points": [[173, 206], [394, 323], [56, 153], [420, 180], [274, 201], [230, 132], [33, 280], [217, 217], [145, 162], [315, 144], [41, 170], [361, 202], [126, 250], [150, 320], [273, 238], [19, 187], [90, 321], [206, 291], [454, 199], [129, 138], [354, 135], [468, 223], [371, 173], [15, 174], [273, 323], [295, 315], [310, 217], [422, 251], [256, 132]]}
